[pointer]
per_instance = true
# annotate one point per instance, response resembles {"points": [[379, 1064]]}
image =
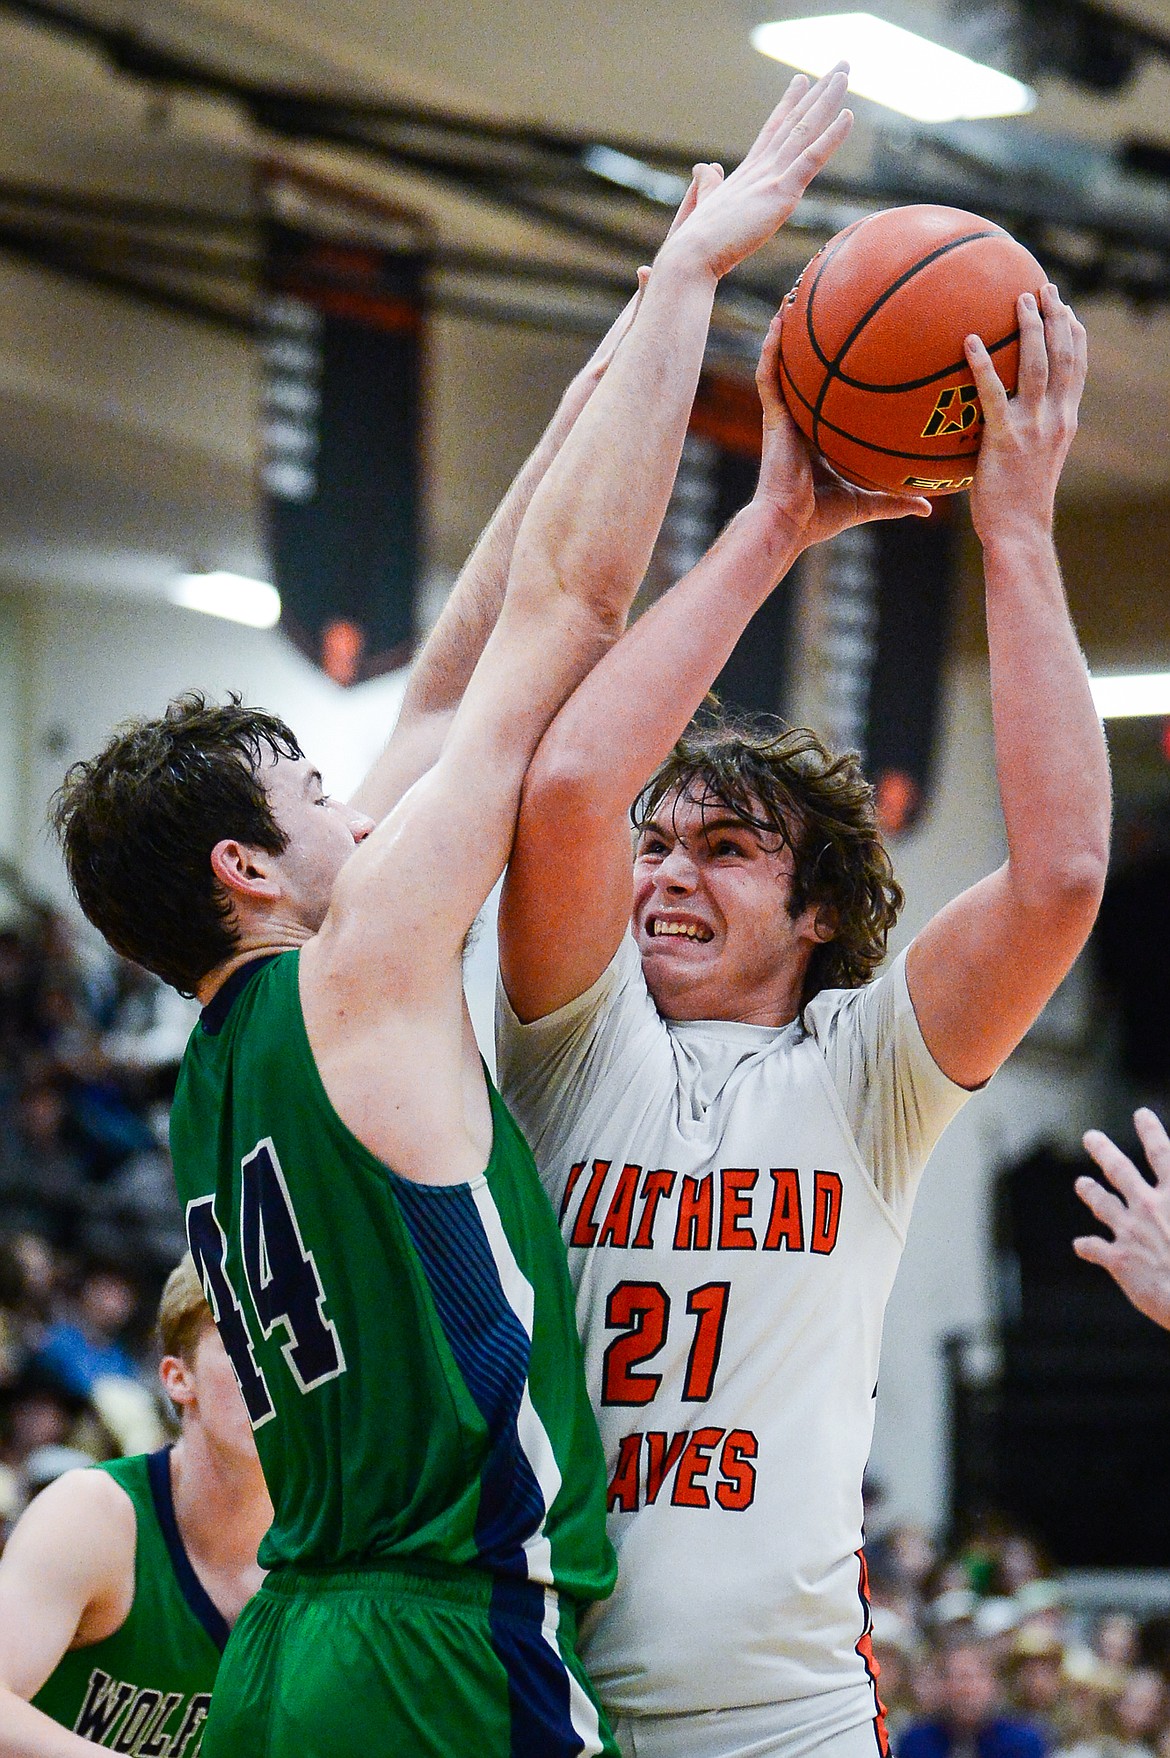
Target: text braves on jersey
{"points": [[732, 1208]]}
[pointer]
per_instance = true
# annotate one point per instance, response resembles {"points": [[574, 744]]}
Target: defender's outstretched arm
{"points": [[441, 672]]}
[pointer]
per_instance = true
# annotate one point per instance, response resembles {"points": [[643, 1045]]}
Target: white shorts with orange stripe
{"points": [[838, 1724]]}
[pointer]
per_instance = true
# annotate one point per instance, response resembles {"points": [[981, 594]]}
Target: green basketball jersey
{"points": [[407, 1352], [146, 1688]]}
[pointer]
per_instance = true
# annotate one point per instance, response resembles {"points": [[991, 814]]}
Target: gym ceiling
{"points": [[533, 149]]}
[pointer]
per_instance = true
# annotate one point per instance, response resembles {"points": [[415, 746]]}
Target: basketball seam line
{"points": [[833, 367], [918, 384], [871, 445], [886, 294]]}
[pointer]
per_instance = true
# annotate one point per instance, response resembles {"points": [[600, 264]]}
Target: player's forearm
{"points": [[27, 1732], [440, 674], [629, 711], [444, 666], [1051, 759]]}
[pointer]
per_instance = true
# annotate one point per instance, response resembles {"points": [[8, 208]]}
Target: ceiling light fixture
{"points": [[234, 596], [1128, 696], [894, 67]]}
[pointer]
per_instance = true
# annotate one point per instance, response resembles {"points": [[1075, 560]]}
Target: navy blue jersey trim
{"points": [[539, 1692], [214, 1015], [491, 1350], [158, 1471]]}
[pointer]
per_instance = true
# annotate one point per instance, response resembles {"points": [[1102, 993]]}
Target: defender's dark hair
{"points": [[138, 822], [783, 781]]}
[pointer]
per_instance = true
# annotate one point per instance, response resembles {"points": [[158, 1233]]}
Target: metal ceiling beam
{"points": [[544, 175]]}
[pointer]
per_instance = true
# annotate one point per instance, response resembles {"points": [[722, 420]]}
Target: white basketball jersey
{"points": [[734, 1201]]}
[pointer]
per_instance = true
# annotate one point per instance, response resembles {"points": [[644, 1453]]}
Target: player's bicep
{"points": [[566, 899], [980, 973], [59, 1560]]}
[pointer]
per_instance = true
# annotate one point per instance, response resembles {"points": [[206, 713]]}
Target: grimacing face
{"points": [[711, 916]]}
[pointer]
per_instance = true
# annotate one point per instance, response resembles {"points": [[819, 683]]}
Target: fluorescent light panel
{"points": [[233, 596], [894, 67], [1130, 696]]}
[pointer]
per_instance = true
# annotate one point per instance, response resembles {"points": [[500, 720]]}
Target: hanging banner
{"points": [[872, 660], [342, 363], [717, 476]]}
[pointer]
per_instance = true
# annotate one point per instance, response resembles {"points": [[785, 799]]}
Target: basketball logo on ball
{"points": [[871, 344]]}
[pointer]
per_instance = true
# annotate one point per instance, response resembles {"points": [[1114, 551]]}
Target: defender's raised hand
{"points": [[1026, 438], [1137, 1214], [735, 215]]}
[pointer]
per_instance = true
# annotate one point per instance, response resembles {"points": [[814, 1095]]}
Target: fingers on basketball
{"points": [[768, 367], [993, 398], [1035, 332]]}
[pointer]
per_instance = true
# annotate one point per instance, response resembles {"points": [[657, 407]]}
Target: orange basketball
{"points": [[871, 344]]}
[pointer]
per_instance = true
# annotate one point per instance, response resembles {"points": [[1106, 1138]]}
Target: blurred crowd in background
{"points": [[983, 1652], [986, 1652], [89, 1221]]}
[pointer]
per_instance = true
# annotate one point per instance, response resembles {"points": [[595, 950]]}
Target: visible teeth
{"points": [[679, 928]]}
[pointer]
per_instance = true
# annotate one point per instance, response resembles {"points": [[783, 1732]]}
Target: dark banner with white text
{"points": [[342, 350]]}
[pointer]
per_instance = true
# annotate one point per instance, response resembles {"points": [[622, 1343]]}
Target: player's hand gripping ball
{"points": [[871, 344]]}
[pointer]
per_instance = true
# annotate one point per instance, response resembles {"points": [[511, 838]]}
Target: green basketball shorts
{"points": [[438, 1662]]}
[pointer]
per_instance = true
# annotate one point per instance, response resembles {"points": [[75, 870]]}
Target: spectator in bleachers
{"points": [[87, 1343], [43, 1187], [971, 1720], [1037, 1684]]}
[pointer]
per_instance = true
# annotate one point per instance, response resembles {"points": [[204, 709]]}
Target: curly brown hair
{"points": [[785, 782], [137, 824]]}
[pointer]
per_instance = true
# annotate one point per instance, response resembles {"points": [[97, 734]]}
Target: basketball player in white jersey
{"points": [[1137, 1214], [731, 1117]]}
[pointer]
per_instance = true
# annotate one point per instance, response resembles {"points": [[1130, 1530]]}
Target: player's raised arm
{"points": [[1137, 1214], [62, 1569], [441, 671], [581, 551], [981, 971], [567, 895]]}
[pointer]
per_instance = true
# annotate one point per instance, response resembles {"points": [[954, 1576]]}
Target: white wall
{"points": [[13, 720], [90, 662]]}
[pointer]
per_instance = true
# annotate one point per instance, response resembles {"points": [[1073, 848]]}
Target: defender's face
{"points": [[216, 1402], [711, 917], [322, 834]]}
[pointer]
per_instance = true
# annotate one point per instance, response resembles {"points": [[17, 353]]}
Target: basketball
{"points": [[871, 344]]}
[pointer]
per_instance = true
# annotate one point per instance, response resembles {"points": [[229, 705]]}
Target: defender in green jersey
{"points": [[380, 1259], [119, 1584]]}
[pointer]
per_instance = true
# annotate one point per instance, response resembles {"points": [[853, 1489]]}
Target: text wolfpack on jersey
{"points": [[140, 1720]]}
